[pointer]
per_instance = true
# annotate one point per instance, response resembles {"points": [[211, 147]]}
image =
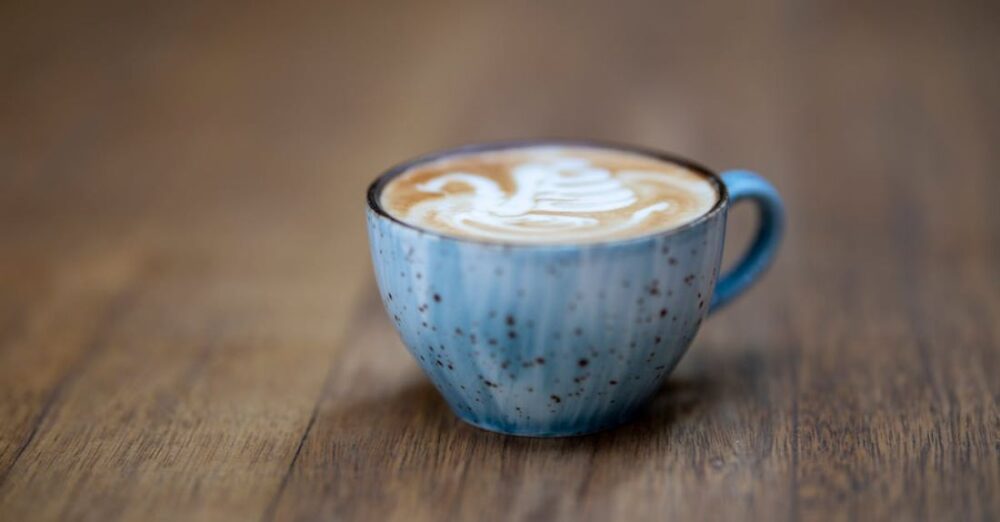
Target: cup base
{"points": [[543, 433]]}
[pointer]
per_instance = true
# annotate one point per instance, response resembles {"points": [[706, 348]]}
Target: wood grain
{"points": [[189, 328]]}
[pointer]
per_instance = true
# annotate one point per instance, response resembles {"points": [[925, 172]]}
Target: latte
{"points": [[548, 194]]}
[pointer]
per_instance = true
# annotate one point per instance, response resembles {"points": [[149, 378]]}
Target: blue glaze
{"points": [[557, 340]]}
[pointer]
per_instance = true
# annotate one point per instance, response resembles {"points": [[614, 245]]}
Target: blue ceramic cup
{"points": [[558, 340]]}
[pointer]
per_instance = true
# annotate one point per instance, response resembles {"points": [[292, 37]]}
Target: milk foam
{"points": [[548, 194]]}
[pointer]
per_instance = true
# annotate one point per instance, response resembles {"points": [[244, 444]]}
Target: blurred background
{"points": [[259, 125], [242, 135], [182, 233]]}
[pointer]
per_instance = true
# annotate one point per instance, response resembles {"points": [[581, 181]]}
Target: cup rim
{"points": [[376, 187]]}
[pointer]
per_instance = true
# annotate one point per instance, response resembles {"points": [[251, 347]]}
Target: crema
{"points": [[548, 194]]}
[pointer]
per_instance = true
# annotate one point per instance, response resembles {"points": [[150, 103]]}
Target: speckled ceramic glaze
{"points": [[556, 340]]}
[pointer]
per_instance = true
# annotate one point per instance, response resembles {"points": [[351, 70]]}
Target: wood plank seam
{"points": [[119, 302], [364, 305]]}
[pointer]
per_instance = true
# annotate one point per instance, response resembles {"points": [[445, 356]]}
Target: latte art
{"points": [[548, 194]]}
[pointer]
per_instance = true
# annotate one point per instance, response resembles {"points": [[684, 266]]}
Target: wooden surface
{"points": [[188, 323]]}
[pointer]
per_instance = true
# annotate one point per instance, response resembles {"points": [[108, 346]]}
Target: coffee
{"points": [[549, 194]]}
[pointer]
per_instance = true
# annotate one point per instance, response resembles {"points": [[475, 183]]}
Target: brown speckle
{"points": [[613, 382], [556, 398], [582, 363], [437, 298]]}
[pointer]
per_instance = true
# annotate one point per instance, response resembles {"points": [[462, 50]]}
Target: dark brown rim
{"points": [[375, 189]]}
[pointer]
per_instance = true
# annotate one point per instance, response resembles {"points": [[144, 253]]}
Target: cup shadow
{"points": [[702, 384]]}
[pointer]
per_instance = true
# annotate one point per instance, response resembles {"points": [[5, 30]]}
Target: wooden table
{"points": [[189, 328]]}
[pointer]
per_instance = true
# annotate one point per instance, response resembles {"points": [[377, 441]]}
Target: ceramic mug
{"points": [[562, 339]]}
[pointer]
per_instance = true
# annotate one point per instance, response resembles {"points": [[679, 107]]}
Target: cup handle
{"points": [[745, 185]]}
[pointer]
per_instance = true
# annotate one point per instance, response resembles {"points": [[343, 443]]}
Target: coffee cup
{"points": [[558, 338]]}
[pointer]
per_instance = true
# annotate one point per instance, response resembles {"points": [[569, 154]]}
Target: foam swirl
{"points": [[548, 194]]}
